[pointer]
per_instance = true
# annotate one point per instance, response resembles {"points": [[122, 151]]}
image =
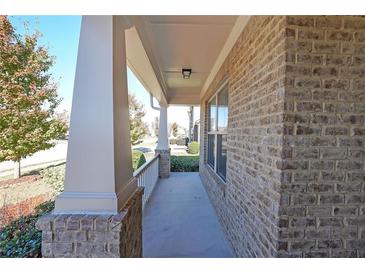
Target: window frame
{"points": [[216, 132]]}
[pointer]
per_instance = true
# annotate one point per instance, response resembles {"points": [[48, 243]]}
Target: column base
{"points": [[90, 236], [164, 162]]}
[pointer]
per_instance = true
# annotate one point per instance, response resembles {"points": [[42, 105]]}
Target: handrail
{"points": [[145, 165]]}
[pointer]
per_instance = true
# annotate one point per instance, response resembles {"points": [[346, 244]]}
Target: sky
{"points": [[61, 35]]}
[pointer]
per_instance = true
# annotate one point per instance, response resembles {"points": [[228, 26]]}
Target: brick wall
{"points": [[90, 236], [248, 203], [323, 196], [295, 169], [164, 165]]}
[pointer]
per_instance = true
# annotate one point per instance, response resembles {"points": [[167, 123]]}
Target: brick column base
{"points": [[87, 236], [164, 162]]}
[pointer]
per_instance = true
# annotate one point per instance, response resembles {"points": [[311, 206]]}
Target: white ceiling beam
{"points": [[144, 33], [139, 63]]}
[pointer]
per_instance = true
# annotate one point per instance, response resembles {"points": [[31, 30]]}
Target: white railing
{"points": [[147, 177]]}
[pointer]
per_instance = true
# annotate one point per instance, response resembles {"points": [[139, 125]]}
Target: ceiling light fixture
{"points": [[186, 73]]}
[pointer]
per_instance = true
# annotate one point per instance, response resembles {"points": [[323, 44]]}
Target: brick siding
{"points": [[102, 236], [248, 203], [164, 165], [295, 168], [322, 203]]}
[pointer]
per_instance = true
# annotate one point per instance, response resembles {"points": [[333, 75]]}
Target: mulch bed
{"points": [[23, 179]]}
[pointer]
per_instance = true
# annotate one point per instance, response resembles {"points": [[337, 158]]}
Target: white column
{"points": [[163, 141], [191, 122], [99, 177]]}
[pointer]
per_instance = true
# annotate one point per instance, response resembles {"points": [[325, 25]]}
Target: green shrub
{"points": [[55, 177], [138, 159], [184, 163], [45, 207], [21, 239], [193, 148]]}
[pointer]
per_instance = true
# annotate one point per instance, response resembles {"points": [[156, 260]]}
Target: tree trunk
{"points": [[17, 169]]}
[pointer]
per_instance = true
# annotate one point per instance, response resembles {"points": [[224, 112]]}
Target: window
{"points": [[222, 110], [211, 150], [217, 131], [221, 154], [212, 115]]}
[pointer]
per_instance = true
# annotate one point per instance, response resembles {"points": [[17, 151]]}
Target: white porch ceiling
{"points": [[175, 42]]}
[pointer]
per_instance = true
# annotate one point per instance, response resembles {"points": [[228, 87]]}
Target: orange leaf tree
{"points": [[28, 97], [138, 128]]}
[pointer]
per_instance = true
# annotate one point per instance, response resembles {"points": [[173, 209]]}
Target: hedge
{"points": [[184, 163], [138, 159]]}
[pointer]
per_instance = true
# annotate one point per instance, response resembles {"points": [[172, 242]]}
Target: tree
{"points": [[174, 129], [156, 126], [28, 97], [64, 116], [137, 127]]}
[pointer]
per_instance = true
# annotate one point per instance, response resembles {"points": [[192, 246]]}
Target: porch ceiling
{"points": [[175, 42]]}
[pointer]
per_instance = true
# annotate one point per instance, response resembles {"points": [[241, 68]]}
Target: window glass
{"points": [[222, 155], [223, 110], [212, 114], [217, 132], [211, 150]]}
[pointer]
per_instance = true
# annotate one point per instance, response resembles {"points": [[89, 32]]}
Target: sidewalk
{"points": [[58, 153], [40, 159]]}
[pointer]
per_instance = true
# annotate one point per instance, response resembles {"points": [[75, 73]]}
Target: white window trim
{"points": [[215, 132]]}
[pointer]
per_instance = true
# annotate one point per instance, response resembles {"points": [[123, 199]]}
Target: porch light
{"points": [[186, 73]]}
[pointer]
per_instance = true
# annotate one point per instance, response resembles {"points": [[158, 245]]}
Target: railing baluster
{"points": [[147, 177]]}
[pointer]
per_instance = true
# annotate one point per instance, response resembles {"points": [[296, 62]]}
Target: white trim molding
{"points": [[237, 29], [86, 203]]}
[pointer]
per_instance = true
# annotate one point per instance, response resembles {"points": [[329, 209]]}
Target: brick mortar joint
{"points": [[47, 222]]}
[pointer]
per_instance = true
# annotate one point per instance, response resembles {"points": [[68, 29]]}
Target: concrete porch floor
{"points": [[180, 222]]}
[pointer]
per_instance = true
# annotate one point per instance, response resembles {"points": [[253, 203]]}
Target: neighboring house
{"points": [[281, 129]]}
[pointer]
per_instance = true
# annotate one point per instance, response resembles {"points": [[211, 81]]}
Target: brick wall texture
{"points": [[87, 236], [295, 170], [164, 162]]}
